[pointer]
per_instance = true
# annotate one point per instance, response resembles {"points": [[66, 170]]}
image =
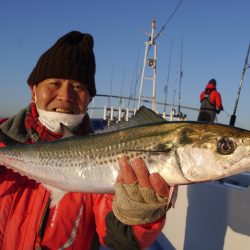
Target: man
{"points": [[62, 85], [211, 103]]}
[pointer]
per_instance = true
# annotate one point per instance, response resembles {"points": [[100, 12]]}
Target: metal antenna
{"points": [[246, 65], [151, 62], [180, 81], [166, 86]]}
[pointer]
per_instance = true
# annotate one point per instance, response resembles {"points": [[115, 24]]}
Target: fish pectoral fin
{"points": [[55, 195], [66, 131]]}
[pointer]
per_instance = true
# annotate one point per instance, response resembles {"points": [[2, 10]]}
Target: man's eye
{"points": [[78, 87], [54, 84]]}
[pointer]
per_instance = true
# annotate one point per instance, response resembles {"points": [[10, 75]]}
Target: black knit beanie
{"points": [[71, 57], [212, 81]]}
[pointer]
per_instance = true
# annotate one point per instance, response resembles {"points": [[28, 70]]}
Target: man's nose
{"points": [[65, 93]]}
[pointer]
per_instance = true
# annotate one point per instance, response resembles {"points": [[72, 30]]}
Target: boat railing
{"points": [[114, 109]]}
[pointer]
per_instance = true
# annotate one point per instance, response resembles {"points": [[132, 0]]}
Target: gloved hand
{"points": [[140, 197], [217, 111]]}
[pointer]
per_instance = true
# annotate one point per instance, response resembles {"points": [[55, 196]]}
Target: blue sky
{"points": [[215, 36]]}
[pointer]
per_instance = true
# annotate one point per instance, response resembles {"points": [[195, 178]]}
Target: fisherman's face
{"points": [[61, 95]]}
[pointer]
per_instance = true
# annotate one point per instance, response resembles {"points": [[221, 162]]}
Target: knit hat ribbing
{"points": [[71, 57], [212, 81]]}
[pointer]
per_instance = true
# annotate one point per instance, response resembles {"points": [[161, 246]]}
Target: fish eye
{"points": [[226, 146]]}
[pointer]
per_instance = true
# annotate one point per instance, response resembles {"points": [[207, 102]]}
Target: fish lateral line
{"points": [[147, 150]]}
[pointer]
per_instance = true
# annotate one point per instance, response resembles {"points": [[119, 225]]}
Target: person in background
{"points": [[62, 85], [211, 103]]}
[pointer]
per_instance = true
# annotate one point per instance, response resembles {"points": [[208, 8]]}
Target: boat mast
{"points": [[151, 62]]}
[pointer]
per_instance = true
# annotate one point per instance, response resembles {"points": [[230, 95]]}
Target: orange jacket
{"points": [[77, 222]]}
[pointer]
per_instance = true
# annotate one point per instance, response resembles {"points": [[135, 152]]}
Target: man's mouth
{"points": [[62, 110]]}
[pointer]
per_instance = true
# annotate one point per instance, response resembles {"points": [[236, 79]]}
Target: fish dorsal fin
{"points": [[143, 116]]}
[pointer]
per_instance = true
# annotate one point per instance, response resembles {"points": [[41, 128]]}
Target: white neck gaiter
{"points": [[51, 120]]}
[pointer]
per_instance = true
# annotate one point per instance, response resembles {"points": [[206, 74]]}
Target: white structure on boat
{"points": [[209, 216]]}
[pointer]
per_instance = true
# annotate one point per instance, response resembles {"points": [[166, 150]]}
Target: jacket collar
{"points": [[14, 127]]}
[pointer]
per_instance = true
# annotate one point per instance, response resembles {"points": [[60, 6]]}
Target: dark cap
{"points": [[212, 81], [71, 57]]}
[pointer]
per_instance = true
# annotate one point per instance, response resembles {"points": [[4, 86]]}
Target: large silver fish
{"points": [[182, 152]]}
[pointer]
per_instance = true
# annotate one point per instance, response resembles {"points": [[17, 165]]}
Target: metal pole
{"points": [[154, 80], [148, 45], [180, 80], [142, 76], [233, 116], [166, 86]]}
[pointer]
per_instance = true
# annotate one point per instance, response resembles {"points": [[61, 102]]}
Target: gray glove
{"points": [[135, 205]]}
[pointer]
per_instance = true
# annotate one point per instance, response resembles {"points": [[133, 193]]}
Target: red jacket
{"points": [[74, 223], [214, 98]]}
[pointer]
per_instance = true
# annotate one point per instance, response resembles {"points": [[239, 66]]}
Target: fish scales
{"points": [[80, 157], [182, 152]]}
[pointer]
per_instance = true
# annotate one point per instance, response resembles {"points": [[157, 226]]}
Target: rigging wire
{"points": [[132, 92], [111, 87], [171, 16], [123, 76]]}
